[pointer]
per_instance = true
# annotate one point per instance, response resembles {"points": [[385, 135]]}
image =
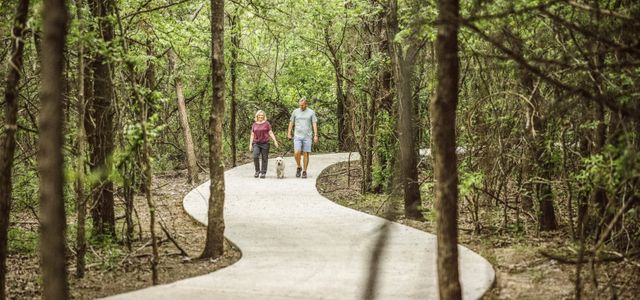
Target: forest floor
{"points": [[112, 268], [522, 272]]}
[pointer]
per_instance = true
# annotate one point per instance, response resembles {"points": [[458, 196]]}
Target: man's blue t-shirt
{"points": [[303, 121]]}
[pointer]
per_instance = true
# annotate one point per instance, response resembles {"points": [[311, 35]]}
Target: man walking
{"points": [[304, 120]]}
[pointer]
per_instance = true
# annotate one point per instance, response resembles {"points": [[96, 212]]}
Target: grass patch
{"points": [[22, 241]]}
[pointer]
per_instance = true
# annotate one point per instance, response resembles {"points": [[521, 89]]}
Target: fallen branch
{"points": [[164, 229], [568, 259]]}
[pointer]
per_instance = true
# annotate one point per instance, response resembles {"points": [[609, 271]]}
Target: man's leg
{"points": [[297, 156], [306, 148], [306, 160], [297, 147]]}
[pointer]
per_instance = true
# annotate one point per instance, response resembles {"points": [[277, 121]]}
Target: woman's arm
{"points": [[251, 141], [273, 137]]}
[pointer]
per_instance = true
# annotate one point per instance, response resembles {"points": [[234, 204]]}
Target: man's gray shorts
{"points": [[302, 143]]}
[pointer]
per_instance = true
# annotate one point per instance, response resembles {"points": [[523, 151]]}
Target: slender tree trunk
{"points": [[403, 63], [340, 95], [214, 245], [50, 160], [343, 143], [8, 137], [192, 162], [443, 130], [100, 126], [233, 68], [146, 153], [81, 202], [368, 123]]}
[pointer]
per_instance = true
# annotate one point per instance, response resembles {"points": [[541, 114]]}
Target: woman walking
{"points": [[259, 143]]}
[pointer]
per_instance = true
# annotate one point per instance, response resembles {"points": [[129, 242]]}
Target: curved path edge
{"points": [[297, 244]]}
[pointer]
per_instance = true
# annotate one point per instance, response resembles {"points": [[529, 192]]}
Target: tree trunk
{"points": [[192, 162], [343, 143], [50, 160], [99, 126], [233, 69], [81, 203], [146, 154], [404, 74], [443, 134], [214, 245], [369, 109], [8, 138]]}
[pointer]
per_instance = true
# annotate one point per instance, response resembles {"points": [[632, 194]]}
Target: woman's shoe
{"points": [[263, 175], [256, 174]]}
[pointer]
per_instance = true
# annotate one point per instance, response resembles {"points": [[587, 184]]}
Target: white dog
{"points": [[279, 167]]}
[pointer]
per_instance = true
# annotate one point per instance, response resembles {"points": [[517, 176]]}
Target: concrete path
{"points": [[296, 244]]}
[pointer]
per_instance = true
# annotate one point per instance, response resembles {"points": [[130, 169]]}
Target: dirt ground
{"points": [[522, 272], [113, 269]]}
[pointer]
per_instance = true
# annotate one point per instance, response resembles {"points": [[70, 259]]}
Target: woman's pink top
{"points": [[261, 132]]}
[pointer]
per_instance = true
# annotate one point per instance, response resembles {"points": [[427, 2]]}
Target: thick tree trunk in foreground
{"points": [[50, 160], [214, 245], [99, 127], [8, 138], [443, 129], [192, 163]]}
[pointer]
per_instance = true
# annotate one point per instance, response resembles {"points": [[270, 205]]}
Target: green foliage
{"points": [[610, 169], [25, 188], [110, 255], [468, 181], [386, 150], [21, 241]]}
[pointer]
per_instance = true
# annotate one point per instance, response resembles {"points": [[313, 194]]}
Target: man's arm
{"points": [[289, 130], [315, 132]]}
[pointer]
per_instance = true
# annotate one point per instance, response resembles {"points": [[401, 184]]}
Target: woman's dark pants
{"points": [[261, 151]]}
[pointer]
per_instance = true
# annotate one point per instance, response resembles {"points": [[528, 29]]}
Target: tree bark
{"points": [[99, 126], [8, 138], [214, 245], [233, 69], [192, 162], [403, 63], [443, 130], [50, 160], [81, 201], [146, 154]]}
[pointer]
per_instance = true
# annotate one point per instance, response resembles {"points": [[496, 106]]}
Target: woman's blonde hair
{"points": [[260, 112]]}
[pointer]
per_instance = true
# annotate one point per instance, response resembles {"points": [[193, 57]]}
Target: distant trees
{"points": [[403, 57], [8, 133], [189, 149], [99, 124]]}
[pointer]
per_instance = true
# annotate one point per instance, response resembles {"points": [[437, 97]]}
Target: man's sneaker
{"points": [[298, 172], [263, 175], [304, 174], [256, 174]]}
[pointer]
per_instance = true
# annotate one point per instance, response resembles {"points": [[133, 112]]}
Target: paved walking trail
{"points": [[296, 244]]}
